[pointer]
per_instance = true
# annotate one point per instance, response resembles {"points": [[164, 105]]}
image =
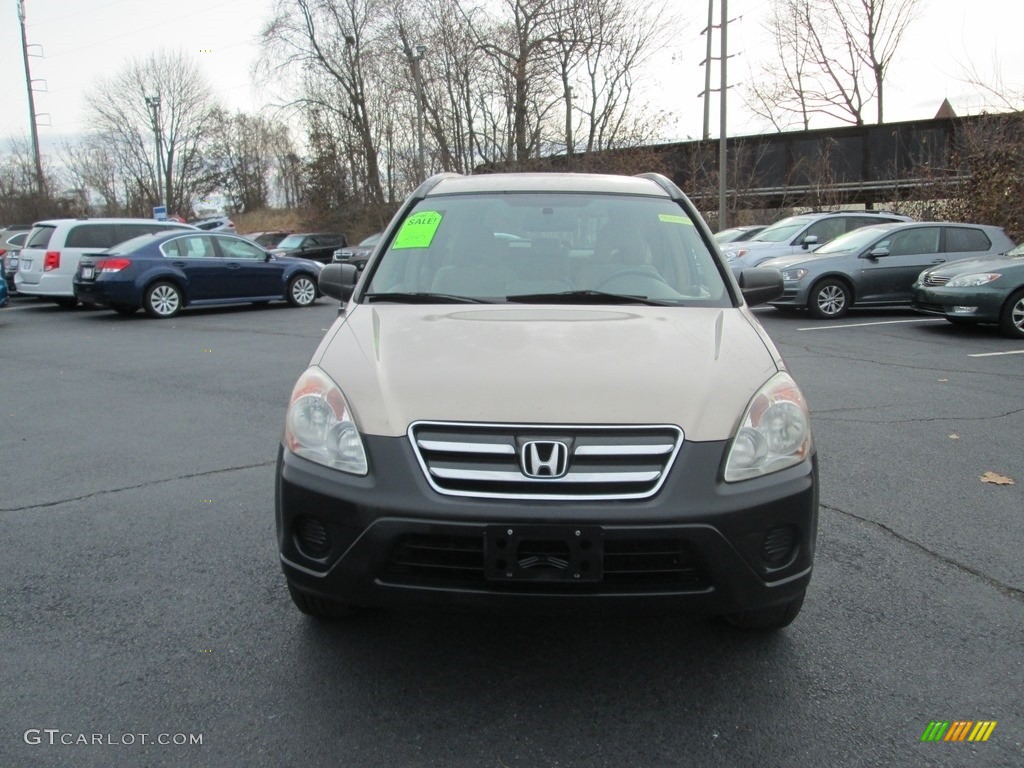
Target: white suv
{"points": [[50, 257]]}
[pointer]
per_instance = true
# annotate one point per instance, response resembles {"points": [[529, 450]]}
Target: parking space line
{"points": [[997, 354], [863, 325]]}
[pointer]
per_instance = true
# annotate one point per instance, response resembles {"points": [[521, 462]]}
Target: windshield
{"points": [[1018, 251], [782, 231], [370, 241], [292, 241], [851, 241], [130, 246], [549, 248]]}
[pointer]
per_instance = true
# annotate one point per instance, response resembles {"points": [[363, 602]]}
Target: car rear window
{"points": [[963, 239], [40, 237]]}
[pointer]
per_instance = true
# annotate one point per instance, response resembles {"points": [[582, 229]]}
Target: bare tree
{"points": [[120, 118], [243, 150], [832, 57]]}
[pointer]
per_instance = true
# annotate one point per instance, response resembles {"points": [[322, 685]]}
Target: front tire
{"points": [[301, 291], [829, 299], [1011, 319], [163, 300]]}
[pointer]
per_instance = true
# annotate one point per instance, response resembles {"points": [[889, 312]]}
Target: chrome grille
{"points": [[486, 460], [932, 280]]}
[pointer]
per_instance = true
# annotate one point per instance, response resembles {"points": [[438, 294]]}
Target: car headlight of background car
{"points": [[794, 274], [775, 432], [319, 425], [972, 281]]}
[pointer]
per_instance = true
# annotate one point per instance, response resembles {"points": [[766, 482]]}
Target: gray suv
{"points": [[801, 234]]}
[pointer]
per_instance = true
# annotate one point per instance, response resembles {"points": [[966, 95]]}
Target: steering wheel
{"points": [[649, 273]]}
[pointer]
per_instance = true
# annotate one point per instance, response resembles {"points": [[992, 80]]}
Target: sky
{"points": [[82, 41]]}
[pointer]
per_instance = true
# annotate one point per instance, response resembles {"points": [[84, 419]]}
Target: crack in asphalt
{"points": [[1006, 589], [148, 484], [922, 420], [828, 352]]}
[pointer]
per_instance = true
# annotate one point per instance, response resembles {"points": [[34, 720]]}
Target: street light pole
{"points": [[414, 60], [153, 102], [40, 185]]}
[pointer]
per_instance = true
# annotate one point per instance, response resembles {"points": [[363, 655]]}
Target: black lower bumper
{"points": [[390, 539]]}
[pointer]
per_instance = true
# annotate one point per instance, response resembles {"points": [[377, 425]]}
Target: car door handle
{"points": [[234, 265], [179, 263], [939, 261]]}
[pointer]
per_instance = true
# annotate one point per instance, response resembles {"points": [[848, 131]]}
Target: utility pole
{"points": [[706, 93], [40, 188], [153, 103], [568, 122], [722, 165], [414, 60]]}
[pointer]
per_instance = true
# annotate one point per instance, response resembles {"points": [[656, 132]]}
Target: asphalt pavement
{"points": [[145, 620]]}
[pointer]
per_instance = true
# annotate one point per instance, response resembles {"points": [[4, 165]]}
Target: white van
{"points": [[50, 257]]}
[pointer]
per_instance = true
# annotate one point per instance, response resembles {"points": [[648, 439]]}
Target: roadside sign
{"points": [[160, 212]]}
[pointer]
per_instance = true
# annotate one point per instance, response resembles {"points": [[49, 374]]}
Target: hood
{"points": [[695, 368], [983, 264]]}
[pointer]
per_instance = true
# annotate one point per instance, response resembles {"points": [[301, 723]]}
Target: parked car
{"points": [[319, 246], [267, 239], [876, 266], [166, 272], [4, 294], [49, 259], [214, 224], [357, 254], [738, 234], [984, 290], [801, 234], [585, 412], [10, 245]]}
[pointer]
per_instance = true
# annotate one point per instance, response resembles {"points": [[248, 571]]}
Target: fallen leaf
{"points": [[954, 436], [996, 479]]}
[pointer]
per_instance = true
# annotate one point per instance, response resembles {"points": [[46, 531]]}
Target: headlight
{"points": [[970, 281], [794, 274], [320, 427], [775, 432]]}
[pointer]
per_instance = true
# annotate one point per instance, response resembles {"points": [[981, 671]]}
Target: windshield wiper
{"points": [[588, 297], [424, 297]]}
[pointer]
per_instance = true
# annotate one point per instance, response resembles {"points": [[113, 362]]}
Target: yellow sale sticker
{"points": [[673, 219], [418, 230]]}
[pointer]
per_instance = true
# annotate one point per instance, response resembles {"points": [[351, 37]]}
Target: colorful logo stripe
{"points": [[958, 730]]}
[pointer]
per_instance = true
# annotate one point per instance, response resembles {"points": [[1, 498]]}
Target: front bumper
{"points": [[390, 539], [794, 294], [941, 300]]}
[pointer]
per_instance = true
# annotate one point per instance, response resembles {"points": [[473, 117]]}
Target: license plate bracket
{"points": [[549, 553]]}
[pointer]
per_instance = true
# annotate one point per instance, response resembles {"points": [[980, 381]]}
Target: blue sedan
{"points": [[166, 272]]}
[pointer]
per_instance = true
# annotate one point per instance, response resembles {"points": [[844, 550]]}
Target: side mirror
{"points": [[875, 254], [760, 285], [339, 281], [809, 241]]}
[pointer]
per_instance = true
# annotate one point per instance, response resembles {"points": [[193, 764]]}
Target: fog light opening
{"points": [[312, 537], [964, 310], [779, 546]]}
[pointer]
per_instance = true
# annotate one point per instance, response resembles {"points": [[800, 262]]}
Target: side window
{"points": [[234, 248], [90, 236], [826, 229], [856, 222], [959, 239], [195, 247], [922, 240], [39, 237]]}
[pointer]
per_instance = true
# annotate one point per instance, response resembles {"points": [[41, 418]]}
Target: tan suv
{"points": [[549, 389]]}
